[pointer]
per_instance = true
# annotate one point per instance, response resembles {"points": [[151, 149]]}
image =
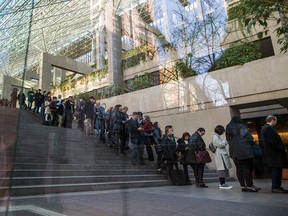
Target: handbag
{"points": [[202, 157], [212, 147]]}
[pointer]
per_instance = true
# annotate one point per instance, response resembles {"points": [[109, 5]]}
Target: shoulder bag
{"points": [[202, 157]]}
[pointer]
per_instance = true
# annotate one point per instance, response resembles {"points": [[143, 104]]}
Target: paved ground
{"points": [[157, 201]]}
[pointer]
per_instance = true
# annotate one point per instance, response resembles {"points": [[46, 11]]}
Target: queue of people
{"points": [[122, 133]]}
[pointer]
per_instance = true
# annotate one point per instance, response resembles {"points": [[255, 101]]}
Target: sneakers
{"points": [[225, 186]]}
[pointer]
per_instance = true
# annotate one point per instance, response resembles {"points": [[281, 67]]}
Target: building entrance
{"points": [[255, 124]]}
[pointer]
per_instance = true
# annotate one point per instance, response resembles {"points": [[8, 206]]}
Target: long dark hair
{"points": [[185, 134]]}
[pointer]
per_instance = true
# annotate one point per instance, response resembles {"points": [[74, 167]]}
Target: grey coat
{"points": [[222, 159]]}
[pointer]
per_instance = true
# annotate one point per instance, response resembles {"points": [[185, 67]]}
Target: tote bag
{"points": [[203, 157]]}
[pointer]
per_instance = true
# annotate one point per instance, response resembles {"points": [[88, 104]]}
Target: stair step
{"points": [[18, 181], [65, 188], [58, 160]]}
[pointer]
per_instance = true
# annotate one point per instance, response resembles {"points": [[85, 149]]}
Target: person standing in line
{"points": [[14, 97], [240, 143], [124, 135], [79, 108], [61, 114], [100, 116], [37, 101], [274, 153], [196, 143], [30, 96], [135, 139], [21, 99], [148, 138], [182, 148], [69, 110], [88, 111], [222, 159], [157, 136], [169, 149]]}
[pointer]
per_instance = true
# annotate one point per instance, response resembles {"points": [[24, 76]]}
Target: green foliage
{"points": [[239, 54], [113, 90], [86, 95], [134, 60], [184, 68], [133, 57], [254, 12], [140, 82], [234, 12]]}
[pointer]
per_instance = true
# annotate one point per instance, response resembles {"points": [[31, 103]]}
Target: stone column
{"points": [[114, 45], [44, 75], [98, 22]]}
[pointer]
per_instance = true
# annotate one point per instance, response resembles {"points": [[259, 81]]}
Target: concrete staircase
{"points": [[58, 160]]}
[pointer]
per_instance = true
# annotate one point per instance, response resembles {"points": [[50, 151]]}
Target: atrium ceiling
{"points": [[30, 27]]}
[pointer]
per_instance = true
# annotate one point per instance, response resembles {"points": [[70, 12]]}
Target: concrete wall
{"points": [[206, 100], [47, 61]]}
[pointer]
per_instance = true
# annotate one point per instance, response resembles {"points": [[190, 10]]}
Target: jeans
{"points": [[137, 149]]}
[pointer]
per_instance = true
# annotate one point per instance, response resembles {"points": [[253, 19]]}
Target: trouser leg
{"points": [[247, 166], [276, 177], [140, 153], [159, 160], [196, 174], [186, 174], [200, 172], [150, 152], [239, 173]]}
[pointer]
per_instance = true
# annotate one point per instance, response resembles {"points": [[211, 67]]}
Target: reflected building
{"points": [[118, 41]]}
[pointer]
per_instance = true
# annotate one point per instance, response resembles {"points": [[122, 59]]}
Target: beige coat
{"points": [[221, 154], [47, 108]]}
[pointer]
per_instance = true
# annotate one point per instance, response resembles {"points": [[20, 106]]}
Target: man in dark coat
{"points": [[169, 149], [274, 153], [135, 145], [69, 110], [38, 101], [88, 111], [196, 143]]}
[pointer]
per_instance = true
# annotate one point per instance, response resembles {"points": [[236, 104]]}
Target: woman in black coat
{"points": [[182, 148], [240, 143]]}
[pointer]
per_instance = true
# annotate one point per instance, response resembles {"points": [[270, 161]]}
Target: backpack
{"points": [[212, 147]]}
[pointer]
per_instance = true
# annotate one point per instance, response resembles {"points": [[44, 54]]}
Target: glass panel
{"points": [[88, 88]]}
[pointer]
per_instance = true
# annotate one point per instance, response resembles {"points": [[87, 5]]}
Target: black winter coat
{"points": [[169, 148], [133, 126], [182, 149], [196, 143], [240, 143], [88, 110], [274, 150]]}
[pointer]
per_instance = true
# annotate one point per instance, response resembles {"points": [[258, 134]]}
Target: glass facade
{"points": [[67, 65]]}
